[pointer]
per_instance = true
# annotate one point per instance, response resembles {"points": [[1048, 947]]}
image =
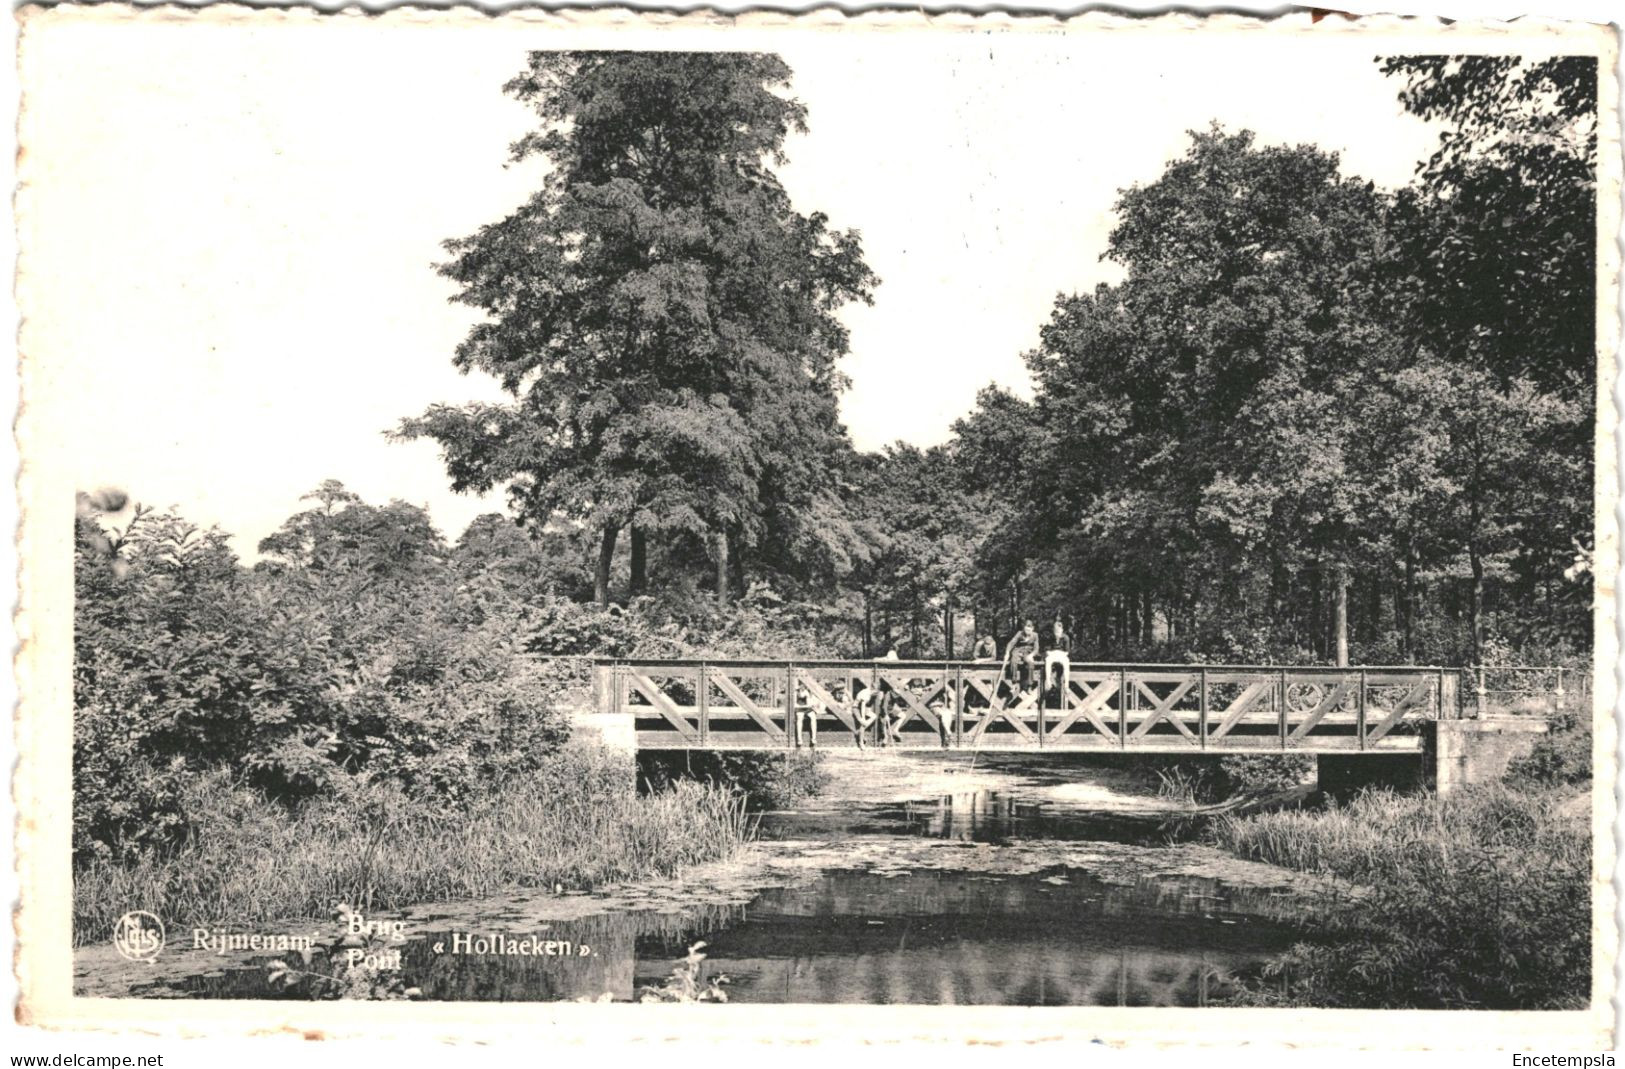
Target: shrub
{"points": [[1561, 757], [355, 650], [764, 780], [1264, 773], [1214, 779]]}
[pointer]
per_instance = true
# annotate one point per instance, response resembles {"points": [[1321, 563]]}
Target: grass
{"points": [[1480, 900], [578, 824]]}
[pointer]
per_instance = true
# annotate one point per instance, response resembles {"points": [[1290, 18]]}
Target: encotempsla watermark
{"points": [[139, 936], [1562, 1061]]}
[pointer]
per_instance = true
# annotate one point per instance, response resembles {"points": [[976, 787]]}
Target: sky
{"points": [[229, 233]]}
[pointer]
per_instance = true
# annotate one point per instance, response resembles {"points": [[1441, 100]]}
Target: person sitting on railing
{"points": [[900, 709], [986, 649], [1057, 663], [1022, 653], [887, 702]]}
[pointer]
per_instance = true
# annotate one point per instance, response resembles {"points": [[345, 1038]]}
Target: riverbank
{"points": [[988, 881], [1480, 900], [930, 879], [1192, 881], [575, 825]]}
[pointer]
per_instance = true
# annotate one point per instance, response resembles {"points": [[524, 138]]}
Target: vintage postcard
{"points": [[952, 527]]}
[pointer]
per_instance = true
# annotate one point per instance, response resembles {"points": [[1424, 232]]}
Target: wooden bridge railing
{"points": [[691, 704]]}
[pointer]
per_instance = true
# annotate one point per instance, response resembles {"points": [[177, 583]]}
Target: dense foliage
{"points": [[1208, 779], [1560, 758], [763, 780], [1320, 421], [361, 650]]}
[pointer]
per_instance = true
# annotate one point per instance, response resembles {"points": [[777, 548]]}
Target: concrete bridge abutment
{"points": [[1465, 753], [1455, 754]]}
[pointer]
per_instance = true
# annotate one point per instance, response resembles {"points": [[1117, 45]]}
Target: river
{"points": [[913, 879]]}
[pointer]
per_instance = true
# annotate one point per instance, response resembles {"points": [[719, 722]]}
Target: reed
{"points": [[1477, 900], [1380, 832], [578, 824]]}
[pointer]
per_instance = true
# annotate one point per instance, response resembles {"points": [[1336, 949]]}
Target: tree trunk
{"points": [[1147, 620], [1340, 615], [606, 558], [1475, 599], [719, 542], [948, 629], [1408, 603], [640, 562], [1316, 623], [1379, 620], [868, 628]]}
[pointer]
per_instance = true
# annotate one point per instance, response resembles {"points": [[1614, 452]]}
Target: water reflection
{"points": [[494, 977], [973, 816], [1055, 938], [1058, 939]]}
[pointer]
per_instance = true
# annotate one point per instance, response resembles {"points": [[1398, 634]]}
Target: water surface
{"points": [[1037, 889]]}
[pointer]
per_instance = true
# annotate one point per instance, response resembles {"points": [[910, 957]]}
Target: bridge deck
{"points": [[934, 705]]}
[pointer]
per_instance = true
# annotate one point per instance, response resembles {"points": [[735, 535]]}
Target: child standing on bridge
{"points": [[807, 715]]}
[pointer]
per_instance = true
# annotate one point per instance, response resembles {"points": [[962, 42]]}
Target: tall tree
{"points": [[1504, 234], [995, 449], [1201, 417], [662, 316], [1499, 240], [925, 527]]}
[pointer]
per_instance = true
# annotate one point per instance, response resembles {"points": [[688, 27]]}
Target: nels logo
{"points": [[139, 936]]}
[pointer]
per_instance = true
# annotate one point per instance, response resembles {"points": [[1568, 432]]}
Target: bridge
{"points": [[972, 705]]}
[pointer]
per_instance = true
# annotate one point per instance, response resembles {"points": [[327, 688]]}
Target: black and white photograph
{"points": [[969, 515]]}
